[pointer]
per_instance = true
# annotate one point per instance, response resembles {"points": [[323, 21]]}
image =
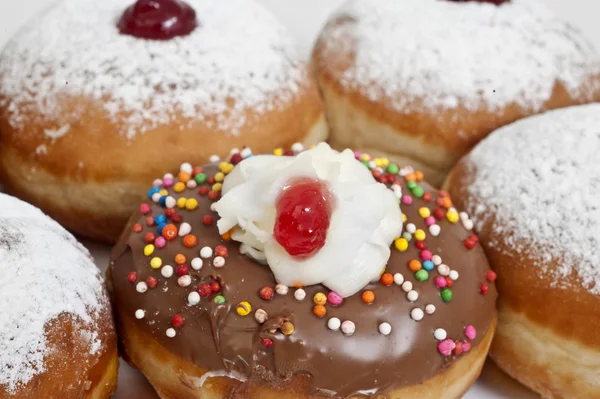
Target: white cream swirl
{"points": [[364, 222]]}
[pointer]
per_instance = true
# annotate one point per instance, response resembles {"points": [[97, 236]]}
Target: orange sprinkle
{"points": [[169, 232], [414, 265], [190, 240], [197, 170], [319, 310], [368, 296], [226, 236], [387, 279], [184, 177], [419, 175], [444, 193], [410, 177], [180, 259]]}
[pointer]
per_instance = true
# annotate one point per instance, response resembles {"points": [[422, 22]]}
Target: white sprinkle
{"points": [[468, 224], [157, 183], [412, 295], [436, 259], [334, 324], [463, 216], [297, 147], [348, 327], [191, 184], [246, 152], [156, 197], [166, 271], [184, 229], [398, 278], [385, 328], [171, 332], [186, 167], [234, 151], [260, 316], [193, 298], [219, 262], [140, 314], [281, 289], [170, 202], [184, 280], [141, 287], [206, 252], [407, 286], [397, 190], [168, 176], [453, 275], [440, 334], [443, 269], [214, 159], [197, 263], [417, 314], [430, 309], [299, 294], [411, 228], [435, 230]]}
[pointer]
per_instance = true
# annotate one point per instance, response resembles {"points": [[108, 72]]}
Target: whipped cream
{"points": [[365, 220]]}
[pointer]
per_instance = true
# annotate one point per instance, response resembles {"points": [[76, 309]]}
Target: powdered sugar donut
{"points": [[57, 337], [532, 190], [87, 85], [424, 80]]}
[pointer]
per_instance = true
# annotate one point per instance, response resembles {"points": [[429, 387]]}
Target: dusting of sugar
{"points": [[442, 54], [41, 149], [44, 272], [239, 58], [539, 178], [57, 133]]}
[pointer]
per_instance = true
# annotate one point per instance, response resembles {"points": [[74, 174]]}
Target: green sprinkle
{"points": [[366, 163], [219, 299], [411, 184], [446, 295], [422, 275], [200, 178], [392, 168], [407, 236], [418, 191]]}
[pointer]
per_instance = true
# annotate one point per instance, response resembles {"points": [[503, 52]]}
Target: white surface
{"points": [[305, 18]]}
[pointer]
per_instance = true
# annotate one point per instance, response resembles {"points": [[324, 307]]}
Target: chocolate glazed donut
{"points": [[303, 358]]}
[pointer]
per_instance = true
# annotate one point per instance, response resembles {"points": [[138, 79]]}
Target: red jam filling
{"points": [[158, 19], [303, 215], [496, 2]]}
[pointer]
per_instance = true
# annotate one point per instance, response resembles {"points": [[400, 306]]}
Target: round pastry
{"points": [[423, 81], [298, 277], [532, 189], [57, 338], [97, 98]]}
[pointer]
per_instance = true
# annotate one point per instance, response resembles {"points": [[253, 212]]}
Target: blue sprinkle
{"points": [[163, 201], [153, 191], [428, 265], [160, 219], [160, 228]]}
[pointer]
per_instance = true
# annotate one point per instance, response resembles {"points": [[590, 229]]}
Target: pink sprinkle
{"points": [[356, 154], [470, 332], [334, 298], [145, 208], [160, 242], [429, 220], [407, 200], [466, 346], [168, 182], [446, 347], [440, 282], [157, 183], [426, 255]]}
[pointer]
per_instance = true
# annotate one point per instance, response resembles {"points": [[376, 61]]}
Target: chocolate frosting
{"points": [[215, 337]]}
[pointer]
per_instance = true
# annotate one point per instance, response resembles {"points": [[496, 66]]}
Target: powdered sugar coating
{"points": [[442, 54], [44, 272], [239, 58], [539, 178]]}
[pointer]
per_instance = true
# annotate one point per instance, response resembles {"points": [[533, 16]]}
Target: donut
{"points": [[422, 82], [532, 190], [57, 337], [328, 289], [98, 97]]}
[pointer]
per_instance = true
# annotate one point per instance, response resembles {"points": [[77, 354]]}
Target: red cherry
{"points": [[303, 214], [158, 19], [215, 287], [182, 270], [177, 320], [131, 277], [204, 290]]}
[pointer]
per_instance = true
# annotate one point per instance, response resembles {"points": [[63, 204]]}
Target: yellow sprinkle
{"points": [[420, 235], [404, 218], [243, 308], [365, 157], [385, 162], [148, 249], [225, 167], [452, 216], [217, 187], [313, 146], [219, 177], [378, 162], [191, 204], [179, 187], [163, 192], [278, 151], [156, 263], [424, 212], [401, 244], [320, 298], [181, 202]]}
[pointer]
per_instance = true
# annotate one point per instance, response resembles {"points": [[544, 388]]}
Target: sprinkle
{"points": [[446, 347], [184, 281], [319, 310], [287, 328], [334, 298], [219, 300], [184, 229], [207, 220], [417, 314], [215, 286], [131, 277], [470, 332], [407, 236], [440, 334], [387, 279], [446, 294], [140, 314], [414, 265], [243, 308], [169, 232], [463, 216], [219, 262], [197, 263], [182, 269], [428, 265], [179, 187], [426, 255], [151, 281], [398, 278], [320, 298], [266, 342], [411, 228], [412, 296], [171, 332], [440, 282], [191, 204], [407, 286], [443, 269], [385, 328], [420, 235], [281, 289], [430, 309], [424, 212], [190, 241], [221, 250], [191, 184], [453, 275], [180, 259], [490, 276], [422, 275], [206, 252], [471, 241], [334, 324], [204, 290], [452, 216], [484, 288], [148, 249], [436, 259], [299, 294], [430, 221], [435, 230], [193, 298], [468, 224], [466, 346], [368, 296], [401, 244], [297, 147], [348, 327], [170, 202], [266, 293], [261, 316], [137, 228], [141, 287]]}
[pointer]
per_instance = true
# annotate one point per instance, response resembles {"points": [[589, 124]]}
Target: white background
{"points": [[304, 18]]}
